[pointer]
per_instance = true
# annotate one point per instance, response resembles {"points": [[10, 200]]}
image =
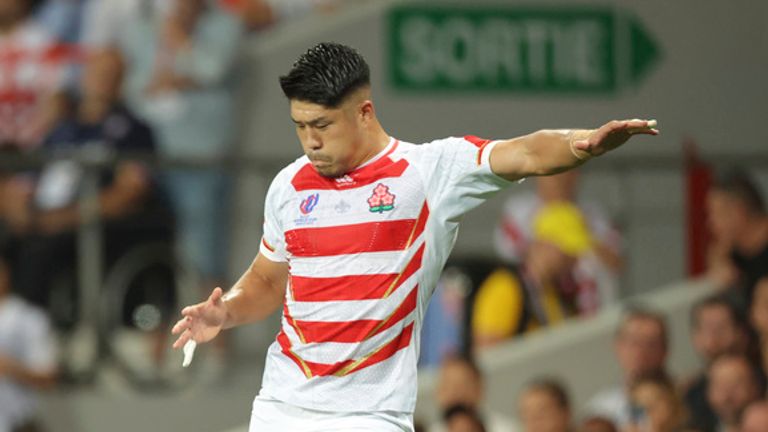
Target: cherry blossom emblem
{"points": [[381, 200]]}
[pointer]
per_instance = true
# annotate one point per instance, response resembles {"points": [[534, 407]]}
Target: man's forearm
{"points": [[540, 153], [252, 298]]}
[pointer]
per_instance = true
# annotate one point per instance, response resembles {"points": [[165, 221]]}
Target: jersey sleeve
{"points": [[273, 239], [458, 174]]}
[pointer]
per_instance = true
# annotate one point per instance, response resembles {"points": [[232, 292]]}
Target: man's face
{"points": [[640, 346], [659, 406], [332, 138], [540, 412], [715, 332], [725, 215], [458, 384], [755, 418], [758, 310], [731, 388], [11, 11]]}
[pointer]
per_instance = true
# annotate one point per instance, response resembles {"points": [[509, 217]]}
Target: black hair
{"points": [[326, 74], [463, 410], [719, 300], [554, 388], [738, 184], [467, 361], [641, 312]]}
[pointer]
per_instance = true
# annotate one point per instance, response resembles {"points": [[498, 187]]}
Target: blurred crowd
{"points": [[546, 239], [156, 78], [123, 81]]}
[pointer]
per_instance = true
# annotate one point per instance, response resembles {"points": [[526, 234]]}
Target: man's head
{"points": [[5, 278], [459, 382], [717, 327], [329, 91], [544, 407], [732, 204], [14, 11], [560, 236], [655, 395], [755, 418], [758, 308], [460, 418], [103, 76], [733, 383], [641, 342]]}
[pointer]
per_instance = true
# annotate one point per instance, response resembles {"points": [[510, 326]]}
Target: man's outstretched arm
{"points": [[258, 293], [552, 151]]}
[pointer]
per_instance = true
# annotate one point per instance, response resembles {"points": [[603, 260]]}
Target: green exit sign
{"points": [[515, 49]]}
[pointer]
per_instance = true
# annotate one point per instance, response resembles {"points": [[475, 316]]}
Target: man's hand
{"points": [[609, 136], [201, 322]]}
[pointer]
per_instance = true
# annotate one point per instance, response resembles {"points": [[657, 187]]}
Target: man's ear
{"points": [[366, 110]]}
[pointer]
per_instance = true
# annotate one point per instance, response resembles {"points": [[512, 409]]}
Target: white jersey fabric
{"points": [[26, 338], [365, 252]]}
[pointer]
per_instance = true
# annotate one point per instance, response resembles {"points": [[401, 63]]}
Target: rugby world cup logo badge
{"points": [[308, 204]]}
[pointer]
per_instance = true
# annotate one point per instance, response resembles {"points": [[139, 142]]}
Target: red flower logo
{"points": [[381, 200]]}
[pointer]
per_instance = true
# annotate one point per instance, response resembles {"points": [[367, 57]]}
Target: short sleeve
{"points": [[458, 174], [273, 239]]}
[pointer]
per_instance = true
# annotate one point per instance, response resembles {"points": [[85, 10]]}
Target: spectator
{"points": [[739, 227], [597, 424], [514, 300], [755, 418], [34, 70], [129, 204], [179, 80], [544, 406], [258, 14], [717, 327], [595, 272], [460, 418], [656, 405], [734, 383], [460, 382], [758, 317], [27, 358], [640, 344]]}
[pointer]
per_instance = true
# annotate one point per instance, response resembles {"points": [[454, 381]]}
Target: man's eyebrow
{"points": [[312, 123]]}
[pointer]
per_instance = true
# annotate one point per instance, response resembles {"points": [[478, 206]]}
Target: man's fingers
{"points": [[182, 325], [183, 339]]}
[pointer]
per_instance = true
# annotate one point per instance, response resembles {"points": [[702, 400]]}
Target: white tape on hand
{"points": [[189, 352]]}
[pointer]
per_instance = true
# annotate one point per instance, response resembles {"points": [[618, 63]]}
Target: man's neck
{"points": [[379, 140]]}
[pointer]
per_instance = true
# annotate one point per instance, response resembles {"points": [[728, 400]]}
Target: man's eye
{"points": [[323, 126]]}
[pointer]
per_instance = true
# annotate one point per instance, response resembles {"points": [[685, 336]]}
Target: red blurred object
{"points": [[698, 176]]}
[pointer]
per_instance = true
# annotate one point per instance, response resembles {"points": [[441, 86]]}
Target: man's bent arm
{"points": [[258, 292]]}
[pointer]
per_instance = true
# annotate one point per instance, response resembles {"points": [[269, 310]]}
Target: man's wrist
{"points": [[580, 135]]}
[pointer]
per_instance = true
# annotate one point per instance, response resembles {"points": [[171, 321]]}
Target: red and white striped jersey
{"points": [[365, 251], [33, 66]]}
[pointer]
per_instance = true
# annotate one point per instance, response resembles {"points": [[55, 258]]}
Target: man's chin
{"points": [[328, 171]]}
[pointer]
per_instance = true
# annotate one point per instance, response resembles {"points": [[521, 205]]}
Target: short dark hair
{"points": [[738, 184], [718, 300], [553, 387], [641, 312], [326, 74], [658, 377], [466, 361], [463, 410]]}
